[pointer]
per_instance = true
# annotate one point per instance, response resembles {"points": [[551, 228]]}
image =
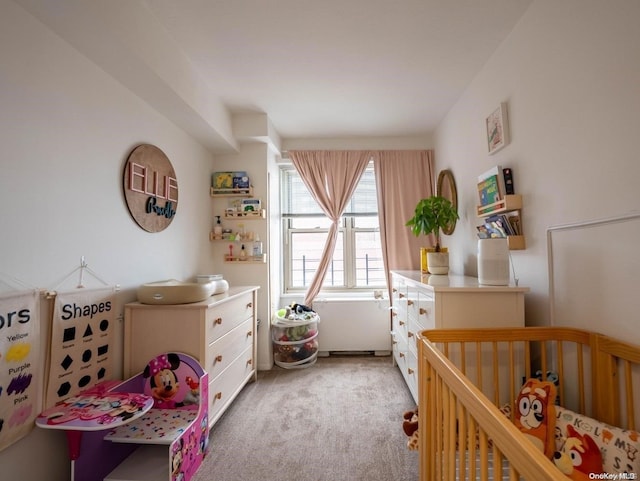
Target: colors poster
{"points": [[20, 365]]}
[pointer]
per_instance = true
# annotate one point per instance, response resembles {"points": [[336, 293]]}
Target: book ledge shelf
{"points": [[231, 192], [509, 203]]}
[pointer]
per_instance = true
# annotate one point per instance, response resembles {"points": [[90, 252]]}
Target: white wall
{"points": [[66, 129], [254, 159], [570, 72]]}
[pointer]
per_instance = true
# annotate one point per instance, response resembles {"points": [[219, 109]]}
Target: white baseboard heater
{"points": [[353, 326]]}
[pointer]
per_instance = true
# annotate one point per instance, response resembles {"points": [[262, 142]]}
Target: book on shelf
{"points": [[513, 219], [491, 187], [500, 225], [507, 174], [488, 191]]}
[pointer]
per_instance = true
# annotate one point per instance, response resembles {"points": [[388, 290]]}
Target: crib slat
{"points": [[630, 418], [479, 364], [450, 436], [484, 455], [439, 423], [496, 374], [461, 436], [512, 375], [560, 356], [471, 434], [581, 398], [527, 359]]}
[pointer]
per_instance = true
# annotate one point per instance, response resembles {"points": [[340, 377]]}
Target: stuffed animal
{"points": [[535, 414], [580, 457], [300, 308], [410, 428]]}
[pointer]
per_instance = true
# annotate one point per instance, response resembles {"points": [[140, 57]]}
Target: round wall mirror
{"points": [[447, 188]]}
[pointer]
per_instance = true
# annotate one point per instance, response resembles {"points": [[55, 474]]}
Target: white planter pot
{"points": [[438, 263]]}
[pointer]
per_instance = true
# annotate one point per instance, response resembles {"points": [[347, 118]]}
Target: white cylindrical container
{"points": [[493, 262], [220, 284]]}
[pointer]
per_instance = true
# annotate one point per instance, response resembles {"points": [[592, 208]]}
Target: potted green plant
{"points": [[432, 215]]}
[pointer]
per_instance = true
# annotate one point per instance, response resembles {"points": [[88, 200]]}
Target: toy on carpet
{"points": [[410, 428], [580, 457], [535, 414]]}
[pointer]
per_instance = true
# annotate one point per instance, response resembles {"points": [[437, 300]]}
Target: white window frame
{"points": [[347, 226]]}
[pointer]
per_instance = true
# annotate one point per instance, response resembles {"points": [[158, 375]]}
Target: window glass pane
{"points": [[364, 199], [369, 265], [306, 251], [369, 222], [310, 223], [296, 198]]}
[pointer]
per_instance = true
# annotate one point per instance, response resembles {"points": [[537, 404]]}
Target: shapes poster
{"points": [[20, 365], [82, 334]]}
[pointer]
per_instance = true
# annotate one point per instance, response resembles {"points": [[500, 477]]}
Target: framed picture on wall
{"points": [[497, 129]]}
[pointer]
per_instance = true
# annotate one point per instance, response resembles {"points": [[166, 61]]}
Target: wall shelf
{"points": [[246, 215], [231, 192], [509, 203], [261, 259]]}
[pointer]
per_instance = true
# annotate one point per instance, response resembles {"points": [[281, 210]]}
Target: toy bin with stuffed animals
{"points": [[294, 333]]}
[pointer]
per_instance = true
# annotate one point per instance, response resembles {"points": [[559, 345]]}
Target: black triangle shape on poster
{"points": [[88, 331]]}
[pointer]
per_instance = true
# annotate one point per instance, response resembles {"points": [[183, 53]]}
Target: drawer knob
{"points": [[249, 333], [218, 358], [423, 311], [410, 371], [401, 354], [249, 362], [217, 320], [401, 323], [409, 303], [394, 342], [409, 334], [250, 305], [401, 295], [218, 395]]}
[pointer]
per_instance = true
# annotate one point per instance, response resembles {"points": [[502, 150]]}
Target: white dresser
{"points": [[220, 332], [420, 301]]}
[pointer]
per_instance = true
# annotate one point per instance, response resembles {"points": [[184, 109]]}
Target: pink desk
{"points": [[96, 409]]}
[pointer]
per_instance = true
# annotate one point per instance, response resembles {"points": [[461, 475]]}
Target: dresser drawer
{"points": [[224, 388], [224, 317], [425, 311], [399, 325], [223, 351], [411, 375]]}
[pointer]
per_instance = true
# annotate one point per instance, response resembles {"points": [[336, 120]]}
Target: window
{"points": [[357, 259]]}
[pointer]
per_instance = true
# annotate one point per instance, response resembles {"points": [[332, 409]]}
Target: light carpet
{"points": [[338, 420]]}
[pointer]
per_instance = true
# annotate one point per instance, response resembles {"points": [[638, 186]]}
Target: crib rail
{"points": [[466, 374]]}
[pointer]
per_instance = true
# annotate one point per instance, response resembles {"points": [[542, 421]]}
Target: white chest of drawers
{"points": [[220, 332], [422, 302]]}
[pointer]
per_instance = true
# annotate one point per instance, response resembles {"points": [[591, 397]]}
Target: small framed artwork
{"points": [[497, 129]]}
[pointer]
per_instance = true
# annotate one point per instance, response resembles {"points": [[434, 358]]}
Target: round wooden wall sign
{"points": [[150, 188]]}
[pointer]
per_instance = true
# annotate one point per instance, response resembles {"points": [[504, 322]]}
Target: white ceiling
{"points": [[316, 68], [335, 68]]}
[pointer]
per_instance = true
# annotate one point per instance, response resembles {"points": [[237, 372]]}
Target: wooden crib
{"points": [[466, 375]]}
